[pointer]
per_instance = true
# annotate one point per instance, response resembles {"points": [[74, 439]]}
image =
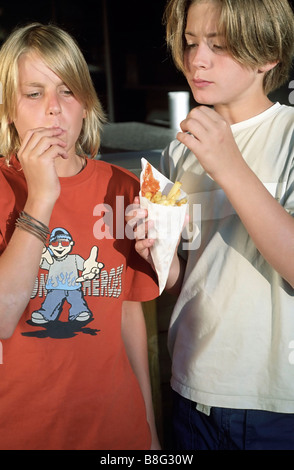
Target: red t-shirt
{"points": [[66, 383]]}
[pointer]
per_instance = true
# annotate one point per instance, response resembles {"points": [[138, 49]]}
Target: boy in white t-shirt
{"points": [[231, 335]]}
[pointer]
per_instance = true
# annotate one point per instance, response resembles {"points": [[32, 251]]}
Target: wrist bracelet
{"points": [[34, 226]]}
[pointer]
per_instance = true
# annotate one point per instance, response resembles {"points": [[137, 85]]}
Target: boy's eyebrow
{"points": [[208, 35], [32, 84], [38, 84]]}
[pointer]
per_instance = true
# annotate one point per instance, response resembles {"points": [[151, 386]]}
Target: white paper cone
{"points": [[168, 225]]}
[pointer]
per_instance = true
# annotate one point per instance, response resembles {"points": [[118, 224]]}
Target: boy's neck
{"points": [[69, 167], [237, 113]]}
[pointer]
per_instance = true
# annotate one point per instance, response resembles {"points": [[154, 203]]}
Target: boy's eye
{"points": [[217, 47], [66, 92], [190, 42], [34, 94], [191, 46]]}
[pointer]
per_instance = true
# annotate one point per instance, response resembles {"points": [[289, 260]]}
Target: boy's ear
{"points": [[267, 67]]}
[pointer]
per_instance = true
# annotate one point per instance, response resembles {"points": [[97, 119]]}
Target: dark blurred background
{"points": [[124, 45]]}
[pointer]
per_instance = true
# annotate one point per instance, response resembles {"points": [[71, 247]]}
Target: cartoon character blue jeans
{"points": [[53, 303]]}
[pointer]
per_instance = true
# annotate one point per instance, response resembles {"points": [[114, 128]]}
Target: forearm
{"points": [[176, 275], [135, 339], [267, 222], [19, 265]]}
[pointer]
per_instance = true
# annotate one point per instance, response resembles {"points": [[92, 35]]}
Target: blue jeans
{"points": [[54, 300], [229, 429]]}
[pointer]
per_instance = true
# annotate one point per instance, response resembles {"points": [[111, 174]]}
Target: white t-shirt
{"points": [[231, 334]]}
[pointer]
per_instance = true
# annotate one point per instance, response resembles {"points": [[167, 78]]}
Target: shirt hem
{"points": [[207, 399]]}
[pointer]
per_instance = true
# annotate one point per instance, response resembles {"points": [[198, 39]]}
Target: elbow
{"points": [[7, 327], [173, 290], [6, 332], [10, 313]]}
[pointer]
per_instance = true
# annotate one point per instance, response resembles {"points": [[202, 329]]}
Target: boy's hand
{"points": [[38, 151], [136, 219], [210, 138]]}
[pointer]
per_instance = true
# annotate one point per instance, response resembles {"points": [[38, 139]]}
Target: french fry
{"points": [[150, 191], [182, 201], [172, 199], [175, 191]]}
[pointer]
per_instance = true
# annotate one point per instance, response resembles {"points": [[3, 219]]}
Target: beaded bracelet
{"points": [[30, 224]]}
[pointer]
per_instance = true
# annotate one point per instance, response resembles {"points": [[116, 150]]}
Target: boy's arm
{"points": [[19, 263], [267, 222], [135, 339]]}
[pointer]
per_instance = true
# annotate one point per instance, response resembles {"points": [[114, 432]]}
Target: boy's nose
{"points": [[54, 110], [53, 105], [201, 57]]}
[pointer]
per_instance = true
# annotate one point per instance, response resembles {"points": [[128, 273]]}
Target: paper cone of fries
{"points": [[168, 216]]}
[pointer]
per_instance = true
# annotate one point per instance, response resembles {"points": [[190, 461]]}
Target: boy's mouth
{"points": [[199, 83]]}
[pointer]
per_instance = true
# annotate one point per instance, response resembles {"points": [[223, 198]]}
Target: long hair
{"points": [[62, 55], [256, 32]]}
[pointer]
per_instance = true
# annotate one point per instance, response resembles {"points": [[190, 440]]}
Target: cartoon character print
{"points": [[66, 272]]}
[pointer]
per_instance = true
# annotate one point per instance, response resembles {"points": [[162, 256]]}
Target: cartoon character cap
{"points": [[59, 233]]}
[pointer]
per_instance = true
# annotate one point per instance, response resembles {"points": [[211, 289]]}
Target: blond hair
{"points": [[256, 32], [62, 55]]}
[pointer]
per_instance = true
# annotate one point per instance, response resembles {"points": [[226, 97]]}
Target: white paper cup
{"points": [[179, 107]]}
